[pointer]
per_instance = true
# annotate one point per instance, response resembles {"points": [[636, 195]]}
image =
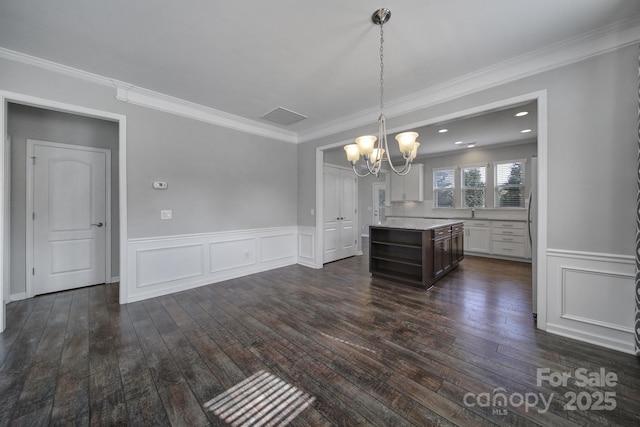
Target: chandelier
{"points": [[375, 150]]}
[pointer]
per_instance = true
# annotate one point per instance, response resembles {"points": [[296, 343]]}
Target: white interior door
{"points": [[348, 202], [340, 198], [331, 214], [69, 192]]}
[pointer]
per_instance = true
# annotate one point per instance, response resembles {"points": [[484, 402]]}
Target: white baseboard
{"points": [[590, 297], [597, 339], [114, 279], [19, 296], [159, 266]]}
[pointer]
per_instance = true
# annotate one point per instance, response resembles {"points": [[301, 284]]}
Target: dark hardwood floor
{"points": [[360, 351]]}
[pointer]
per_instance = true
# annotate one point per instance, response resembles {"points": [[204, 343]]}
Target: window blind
{"points": [[474, 181], [443, 188], [510, 184]]}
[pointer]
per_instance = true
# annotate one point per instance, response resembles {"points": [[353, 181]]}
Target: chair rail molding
{"points": [[163, 265]]}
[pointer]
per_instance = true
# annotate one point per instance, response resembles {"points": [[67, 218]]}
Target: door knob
{"points": [[98, 224]]}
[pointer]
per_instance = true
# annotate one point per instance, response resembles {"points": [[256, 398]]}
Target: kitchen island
{"points": [[415, 252]]}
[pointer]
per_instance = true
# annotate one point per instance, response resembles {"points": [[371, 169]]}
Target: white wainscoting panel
{"points": [[232, 254], [306, 246], [166, 264], [277, 247], [591, 298], [159, 266]]}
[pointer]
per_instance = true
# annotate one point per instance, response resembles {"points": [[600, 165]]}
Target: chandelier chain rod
{"points": [[376, 150], [381, 68]]}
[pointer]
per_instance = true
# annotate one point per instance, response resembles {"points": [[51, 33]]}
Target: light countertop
{"points": [[450, 218], [418, 223]]}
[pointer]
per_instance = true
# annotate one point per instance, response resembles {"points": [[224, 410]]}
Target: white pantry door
{"points": [[69, 216], [339, 213]]}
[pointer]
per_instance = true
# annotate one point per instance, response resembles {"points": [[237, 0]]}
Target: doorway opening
{"points": [[53, 115], [540, 99], [65, 188]]}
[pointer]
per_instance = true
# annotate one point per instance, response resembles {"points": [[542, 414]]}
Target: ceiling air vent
{"points": [[282, 116]]}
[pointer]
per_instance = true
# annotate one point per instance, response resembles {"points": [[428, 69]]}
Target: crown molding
{"points": [[55, 67], [132, 94], [614, 36], [596, 42], [169, 104]]}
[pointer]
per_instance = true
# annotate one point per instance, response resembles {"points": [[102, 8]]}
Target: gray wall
{"points": [[35, 123], [592, 117], [219, 179]]}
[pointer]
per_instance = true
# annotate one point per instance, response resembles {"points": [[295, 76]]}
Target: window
{"points": [[474, 182], [443, 187], [509, 179]]}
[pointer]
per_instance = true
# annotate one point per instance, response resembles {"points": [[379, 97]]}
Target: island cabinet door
{"points": [[457, 244], [441, 252]]}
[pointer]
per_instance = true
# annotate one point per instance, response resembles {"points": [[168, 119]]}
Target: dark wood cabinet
{"points": [[413, 256], [457, 244], [441, 252]]}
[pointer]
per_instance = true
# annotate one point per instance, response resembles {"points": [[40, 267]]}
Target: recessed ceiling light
{"points": [[522, 113], [525, 131], [458, 142], [471, 145], [443, 130]]}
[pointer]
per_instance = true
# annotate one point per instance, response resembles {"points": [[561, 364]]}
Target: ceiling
{"points": [[319, 59], [498, 127], [489, 128]]}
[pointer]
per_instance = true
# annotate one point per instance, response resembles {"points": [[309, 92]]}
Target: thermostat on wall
{"points": [[159, 185]]}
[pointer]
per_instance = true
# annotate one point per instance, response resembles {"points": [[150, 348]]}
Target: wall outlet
{"points": [[166, 214], [160, 185]]}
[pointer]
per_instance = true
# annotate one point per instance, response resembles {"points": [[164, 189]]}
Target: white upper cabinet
{"points": [[409, 187]]}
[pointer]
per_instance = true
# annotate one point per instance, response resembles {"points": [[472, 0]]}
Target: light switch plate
{"points": [[166, 214]]}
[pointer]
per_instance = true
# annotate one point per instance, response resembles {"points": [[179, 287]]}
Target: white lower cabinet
{"points": [[500, 238], [508, 238], [477, 236]]}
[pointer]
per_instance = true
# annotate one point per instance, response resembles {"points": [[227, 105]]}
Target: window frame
{"points": [[463, 188], [498, 187], [437, 190]]}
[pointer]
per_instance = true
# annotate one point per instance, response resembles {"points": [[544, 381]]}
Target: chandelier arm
{"points": [[405, 169], [382, 129], [360, 175], [371, 166]]}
